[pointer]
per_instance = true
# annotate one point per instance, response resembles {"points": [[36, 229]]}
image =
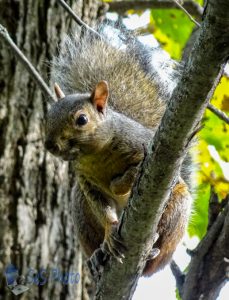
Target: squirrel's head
{"points": [[74, 123]]}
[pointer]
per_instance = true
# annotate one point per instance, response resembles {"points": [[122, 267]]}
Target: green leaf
{"points": [[172, 29], [201, 2], [178, 295], [215, 133], [199, 219]]}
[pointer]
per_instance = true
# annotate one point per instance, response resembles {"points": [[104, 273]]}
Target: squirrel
{"points": [[113, 105]]}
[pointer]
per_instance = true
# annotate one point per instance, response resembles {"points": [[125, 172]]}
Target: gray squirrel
{"points": [[115, 98]]}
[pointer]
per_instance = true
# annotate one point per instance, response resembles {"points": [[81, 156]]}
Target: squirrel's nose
{"points": [[52, 146]]}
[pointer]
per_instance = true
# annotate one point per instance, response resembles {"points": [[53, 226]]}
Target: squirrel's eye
{"points": [[82, 120]]}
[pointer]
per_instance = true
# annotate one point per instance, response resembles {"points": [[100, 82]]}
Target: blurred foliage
{"points": [[172, 28], [212, 162], [178, 295], [201, 2]]}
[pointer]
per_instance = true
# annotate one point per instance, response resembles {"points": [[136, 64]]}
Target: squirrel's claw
{"points": [[96, 263], [153, 254], [113, 250], [114, 246]]}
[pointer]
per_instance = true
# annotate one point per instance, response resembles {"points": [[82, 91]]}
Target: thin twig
{"points": [[30, 68], [124, 5], [76, 18], [218, 113], [179, 276], [212, 234], [187, 13], [200, 271], [214, 208]]}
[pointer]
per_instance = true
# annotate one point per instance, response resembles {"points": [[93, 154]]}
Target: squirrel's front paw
{"points": [[114, 245], [153, 254], [154, 251], [122, 185]]}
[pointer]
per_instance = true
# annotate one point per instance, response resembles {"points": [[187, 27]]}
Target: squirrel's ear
{"points": [[59, 93], [100, 95]]}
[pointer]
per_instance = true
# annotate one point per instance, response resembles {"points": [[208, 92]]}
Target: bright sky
{"points": [[161, 286]]}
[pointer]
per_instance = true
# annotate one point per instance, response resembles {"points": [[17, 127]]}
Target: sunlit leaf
{"points": [[199, 218], [201, 2], [172, 29]]}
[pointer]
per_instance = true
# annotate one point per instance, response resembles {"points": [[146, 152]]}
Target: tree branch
{"points": [[214, 208], [218, 113], [208, 267], [30, 68], [207, 271], [179, 276], [122, 6], [185, 109]]}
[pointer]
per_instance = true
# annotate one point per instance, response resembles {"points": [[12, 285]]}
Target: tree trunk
{"points": [[36, 229]]}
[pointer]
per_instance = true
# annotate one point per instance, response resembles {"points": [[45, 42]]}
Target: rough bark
{"points": [[36, 229], [188, 102]]}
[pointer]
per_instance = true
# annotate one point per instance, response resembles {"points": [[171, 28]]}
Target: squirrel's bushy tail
{"points": [[136, 88]]}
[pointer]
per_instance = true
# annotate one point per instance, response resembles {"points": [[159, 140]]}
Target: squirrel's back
{"points": [[84, 61]]}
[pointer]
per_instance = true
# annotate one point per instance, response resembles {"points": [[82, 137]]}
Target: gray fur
{"points": [[84, 62], [141, 79]]}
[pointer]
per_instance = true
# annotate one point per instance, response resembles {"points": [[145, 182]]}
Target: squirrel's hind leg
{"points": [[171, 228]]}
